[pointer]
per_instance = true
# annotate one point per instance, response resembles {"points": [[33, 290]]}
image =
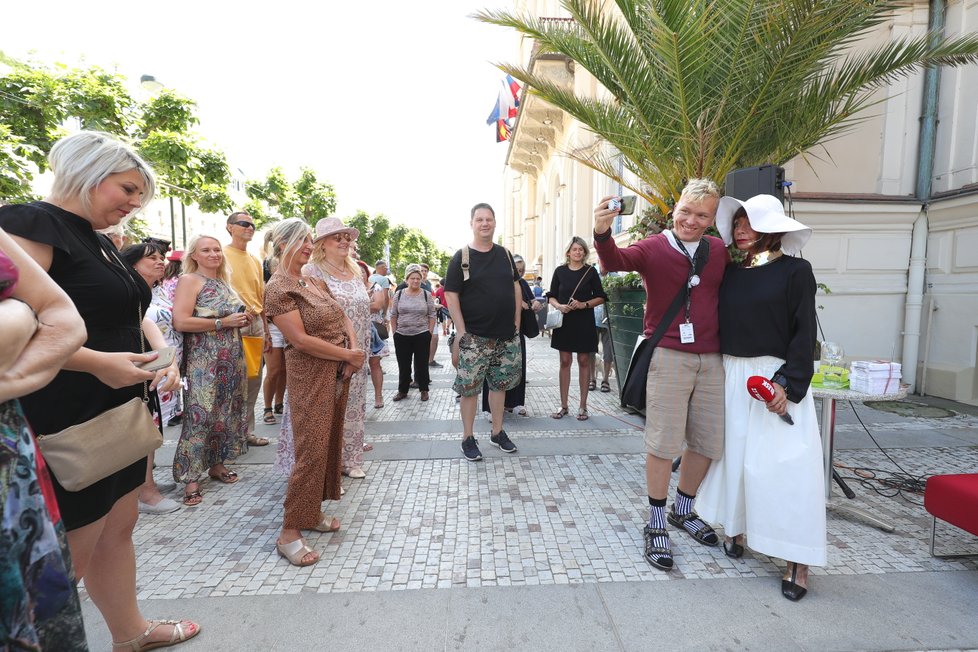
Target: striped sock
{"points": [[682, 507], [657, 519]]}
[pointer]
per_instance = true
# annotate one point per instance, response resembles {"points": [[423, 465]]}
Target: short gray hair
{"points": [[699, 189], [84, 160]]}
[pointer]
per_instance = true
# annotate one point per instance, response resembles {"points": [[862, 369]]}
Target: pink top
{"points": [[664, 271]]}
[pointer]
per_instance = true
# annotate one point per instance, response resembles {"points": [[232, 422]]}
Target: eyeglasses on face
{"points": [[245, 224]]}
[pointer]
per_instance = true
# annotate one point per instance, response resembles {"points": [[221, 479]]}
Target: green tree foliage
{"points": [[276, 197], [37, 102], [407, 245], [699, 87]]}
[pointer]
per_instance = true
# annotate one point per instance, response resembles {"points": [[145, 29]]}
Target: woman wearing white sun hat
{"points": [[768, 486]]}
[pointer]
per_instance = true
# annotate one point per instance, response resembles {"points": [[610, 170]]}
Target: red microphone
{"points": [[763, 390]]}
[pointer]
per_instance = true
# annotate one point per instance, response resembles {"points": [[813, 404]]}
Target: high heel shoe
{"points": [[790, 588], [733, 549]]}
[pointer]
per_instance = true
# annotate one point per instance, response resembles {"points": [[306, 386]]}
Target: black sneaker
{"points": [[502, 441], [470, 449], [657, 555]]}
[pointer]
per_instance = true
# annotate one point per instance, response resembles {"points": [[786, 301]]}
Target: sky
{"points": [[386, 100]]}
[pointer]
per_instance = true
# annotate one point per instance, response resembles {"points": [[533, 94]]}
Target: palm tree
{"points": [[702, 87]]}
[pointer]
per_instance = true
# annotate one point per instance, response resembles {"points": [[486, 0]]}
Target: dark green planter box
{"points": [[626, 310]]}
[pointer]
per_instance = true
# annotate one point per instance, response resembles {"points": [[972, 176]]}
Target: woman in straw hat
{"points": [[768, 487]]}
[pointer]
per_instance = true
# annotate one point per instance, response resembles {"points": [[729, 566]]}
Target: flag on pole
{"points": [[506, 108]]}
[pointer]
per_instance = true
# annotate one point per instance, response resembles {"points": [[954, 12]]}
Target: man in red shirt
{"points": [[684, 391]]}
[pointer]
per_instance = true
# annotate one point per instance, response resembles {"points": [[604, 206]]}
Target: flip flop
{"points": [[193, 498]]}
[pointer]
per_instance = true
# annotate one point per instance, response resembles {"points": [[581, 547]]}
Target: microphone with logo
{"points": [[763, 390]]}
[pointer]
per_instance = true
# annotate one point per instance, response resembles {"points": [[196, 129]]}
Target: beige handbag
{"points": [[85, 453]]}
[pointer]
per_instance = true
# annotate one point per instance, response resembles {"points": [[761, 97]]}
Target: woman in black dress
{"points": [[98, 182], [575, 290]]}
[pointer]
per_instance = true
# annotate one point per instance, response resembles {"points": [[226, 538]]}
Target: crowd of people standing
{"points": [[93, 328]]}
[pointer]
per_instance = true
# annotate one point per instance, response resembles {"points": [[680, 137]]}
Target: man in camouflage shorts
{"points": [[483, 294]]}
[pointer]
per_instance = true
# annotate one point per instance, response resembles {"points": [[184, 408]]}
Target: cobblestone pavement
{"points": [[568, 510]]}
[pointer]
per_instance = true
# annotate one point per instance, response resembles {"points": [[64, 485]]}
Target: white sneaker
{"points": [[520, 411], [487, 416]]}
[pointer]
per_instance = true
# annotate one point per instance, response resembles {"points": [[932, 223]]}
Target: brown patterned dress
{"points": [[317, 419]]}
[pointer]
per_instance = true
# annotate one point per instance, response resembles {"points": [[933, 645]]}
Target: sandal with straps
{"points": [[279, 408], [592, 385], [559, 414], [177, 636], [294, 551], [583, 415], [326, 524], [705, 534], [269, 417]]}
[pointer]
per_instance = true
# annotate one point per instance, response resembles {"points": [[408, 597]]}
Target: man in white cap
{"points": [[685, 379]]}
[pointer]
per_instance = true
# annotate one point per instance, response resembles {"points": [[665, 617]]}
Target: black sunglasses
{"points": [[243, 223], [158, 242]]}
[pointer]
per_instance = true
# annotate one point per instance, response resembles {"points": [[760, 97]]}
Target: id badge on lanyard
{"points": [[686, 334]]}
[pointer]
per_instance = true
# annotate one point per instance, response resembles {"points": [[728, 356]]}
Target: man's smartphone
{"points": [[165, 360], [628, 204]]}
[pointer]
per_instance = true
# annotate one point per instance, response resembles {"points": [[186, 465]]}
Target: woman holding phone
{"points": [[98, 182], [210, 314]]}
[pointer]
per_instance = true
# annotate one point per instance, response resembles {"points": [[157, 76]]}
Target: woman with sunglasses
{"points": [[332, 262]]}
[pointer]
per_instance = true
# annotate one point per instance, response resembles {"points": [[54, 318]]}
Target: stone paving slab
{"points": [[896, 611], [507, 521]]}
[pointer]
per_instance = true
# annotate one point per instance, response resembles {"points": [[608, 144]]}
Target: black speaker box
{"points": [[761, 180]]}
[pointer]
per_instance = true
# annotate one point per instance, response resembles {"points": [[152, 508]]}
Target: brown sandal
{"points": [[227, 477], [559, 414]]}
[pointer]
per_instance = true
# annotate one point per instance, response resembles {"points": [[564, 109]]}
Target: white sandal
{"points": [[294, 551], [177, 636]]}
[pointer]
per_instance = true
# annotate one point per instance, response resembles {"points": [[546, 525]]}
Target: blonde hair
{"points": [[318, 257], [190, 265], [576, 240], [84, 160], [286, 235], [699, 189]]}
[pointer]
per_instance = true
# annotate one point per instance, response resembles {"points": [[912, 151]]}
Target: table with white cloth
{"points": [[827, 428]]}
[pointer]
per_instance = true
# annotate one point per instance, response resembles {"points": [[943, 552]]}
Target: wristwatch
{"points": [[217, 324], [780, 379]]}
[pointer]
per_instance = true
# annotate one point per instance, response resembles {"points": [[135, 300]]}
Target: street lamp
{"points": [[149, 84]]}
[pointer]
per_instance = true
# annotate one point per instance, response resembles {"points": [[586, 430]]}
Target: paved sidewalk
{"points": [[542, 550]]}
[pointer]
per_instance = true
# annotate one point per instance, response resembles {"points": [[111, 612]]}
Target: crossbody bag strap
{"points": [[677, 303], [583, 276]]}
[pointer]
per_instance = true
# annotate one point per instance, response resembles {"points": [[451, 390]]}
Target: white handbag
{"points": [[555, 319]]}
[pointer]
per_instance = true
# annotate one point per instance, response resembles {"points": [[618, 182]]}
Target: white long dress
{"points": [[769, 484]]}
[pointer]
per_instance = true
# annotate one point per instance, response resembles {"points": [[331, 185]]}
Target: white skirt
{"points": [[769, 484]]}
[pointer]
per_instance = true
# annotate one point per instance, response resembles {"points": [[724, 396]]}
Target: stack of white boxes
{"points": [[875, 376]]}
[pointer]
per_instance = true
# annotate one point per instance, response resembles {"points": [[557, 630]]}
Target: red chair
{"points": [[954, 499]]}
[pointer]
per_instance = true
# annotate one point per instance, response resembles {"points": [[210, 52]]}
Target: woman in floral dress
{"points": [[209, 314], [331, 261]]}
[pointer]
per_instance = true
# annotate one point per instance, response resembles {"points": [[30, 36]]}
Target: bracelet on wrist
{"points": [[217, 324]]}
